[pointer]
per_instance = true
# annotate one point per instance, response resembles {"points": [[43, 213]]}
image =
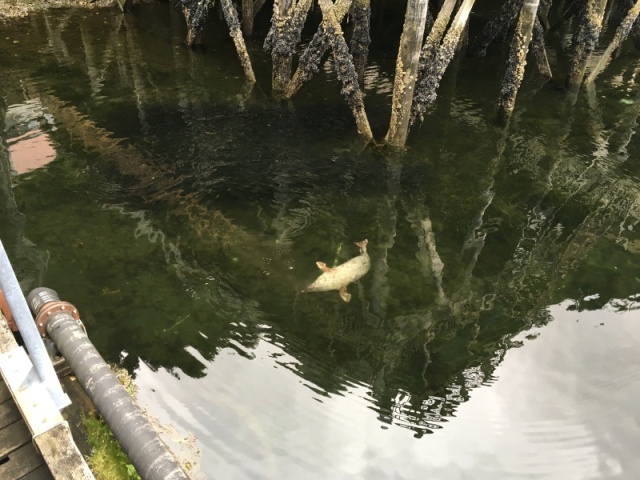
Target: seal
{"points": [[338, 278]]}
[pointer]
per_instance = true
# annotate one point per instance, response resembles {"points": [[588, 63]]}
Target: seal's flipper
{"points": [[346, 296], [362, 245], [323, 266]]}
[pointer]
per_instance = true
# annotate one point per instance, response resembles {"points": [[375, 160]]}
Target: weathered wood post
{"points": [[621, 33], [543, 13], [437, 59], [195, 13], [247, 17], [539, 51], [310, 59], [345, 70], [428, 57], [360, 40], [231, 16], [286, 27], [517, 59], [277, 45], [406, 72], [585, 40], [501, 21]]}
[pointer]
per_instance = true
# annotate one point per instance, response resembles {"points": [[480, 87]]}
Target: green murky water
{"points": [[495, 336]]}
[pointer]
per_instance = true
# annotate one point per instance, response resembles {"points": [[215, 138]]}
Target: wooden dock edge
{"points": [[56, 445]]}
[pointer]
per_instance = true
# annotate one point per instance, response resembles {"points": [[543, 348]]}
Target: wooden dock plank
{"points": [[5, 394], [40, 473], [20, 463], [9, 413], [13, 437]]}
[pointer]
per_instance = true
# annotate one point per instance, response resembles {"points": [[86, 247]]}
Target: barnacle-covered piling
{"points": [[279, 46], [425, 94], [505, 16], [361, 38], [538, 49], [517, 58], [195, 13], [286, 26], [309, 61], [621, 33], [345, 69], [231, 16], [406, 72], [428, 55], [585, 40]]}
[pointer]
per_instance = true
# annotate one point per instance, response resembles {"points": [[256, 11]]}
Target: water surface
{"points": [[494, 336]]}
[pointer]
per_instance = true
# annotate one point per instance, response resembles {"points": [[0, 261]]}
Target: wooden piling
{"points": [[621, 33], [505, 16], [573, 8], [247, 17], [428, 83], [543, 13], [231, 17], [517, 58], [344, 68], [406, 72], [310, 60], [428, 56], [195, 13], [286, 27], [585, 40], [538, 49], [278, 46], [360, 39]]}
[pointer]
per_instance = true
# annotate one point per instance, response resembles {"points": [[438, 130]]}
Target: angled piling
{"points": [[621, 33], [503, 18], [345, 69], [517, 58], [585, 40], [406, 72], [286, 27], [309, 62], [231, 17], [195, 14], [425, 93]]}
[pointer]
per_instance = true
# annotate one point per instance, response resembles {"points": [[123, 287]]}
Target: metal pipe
{"points": [[149, 455], [32, 339]]}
